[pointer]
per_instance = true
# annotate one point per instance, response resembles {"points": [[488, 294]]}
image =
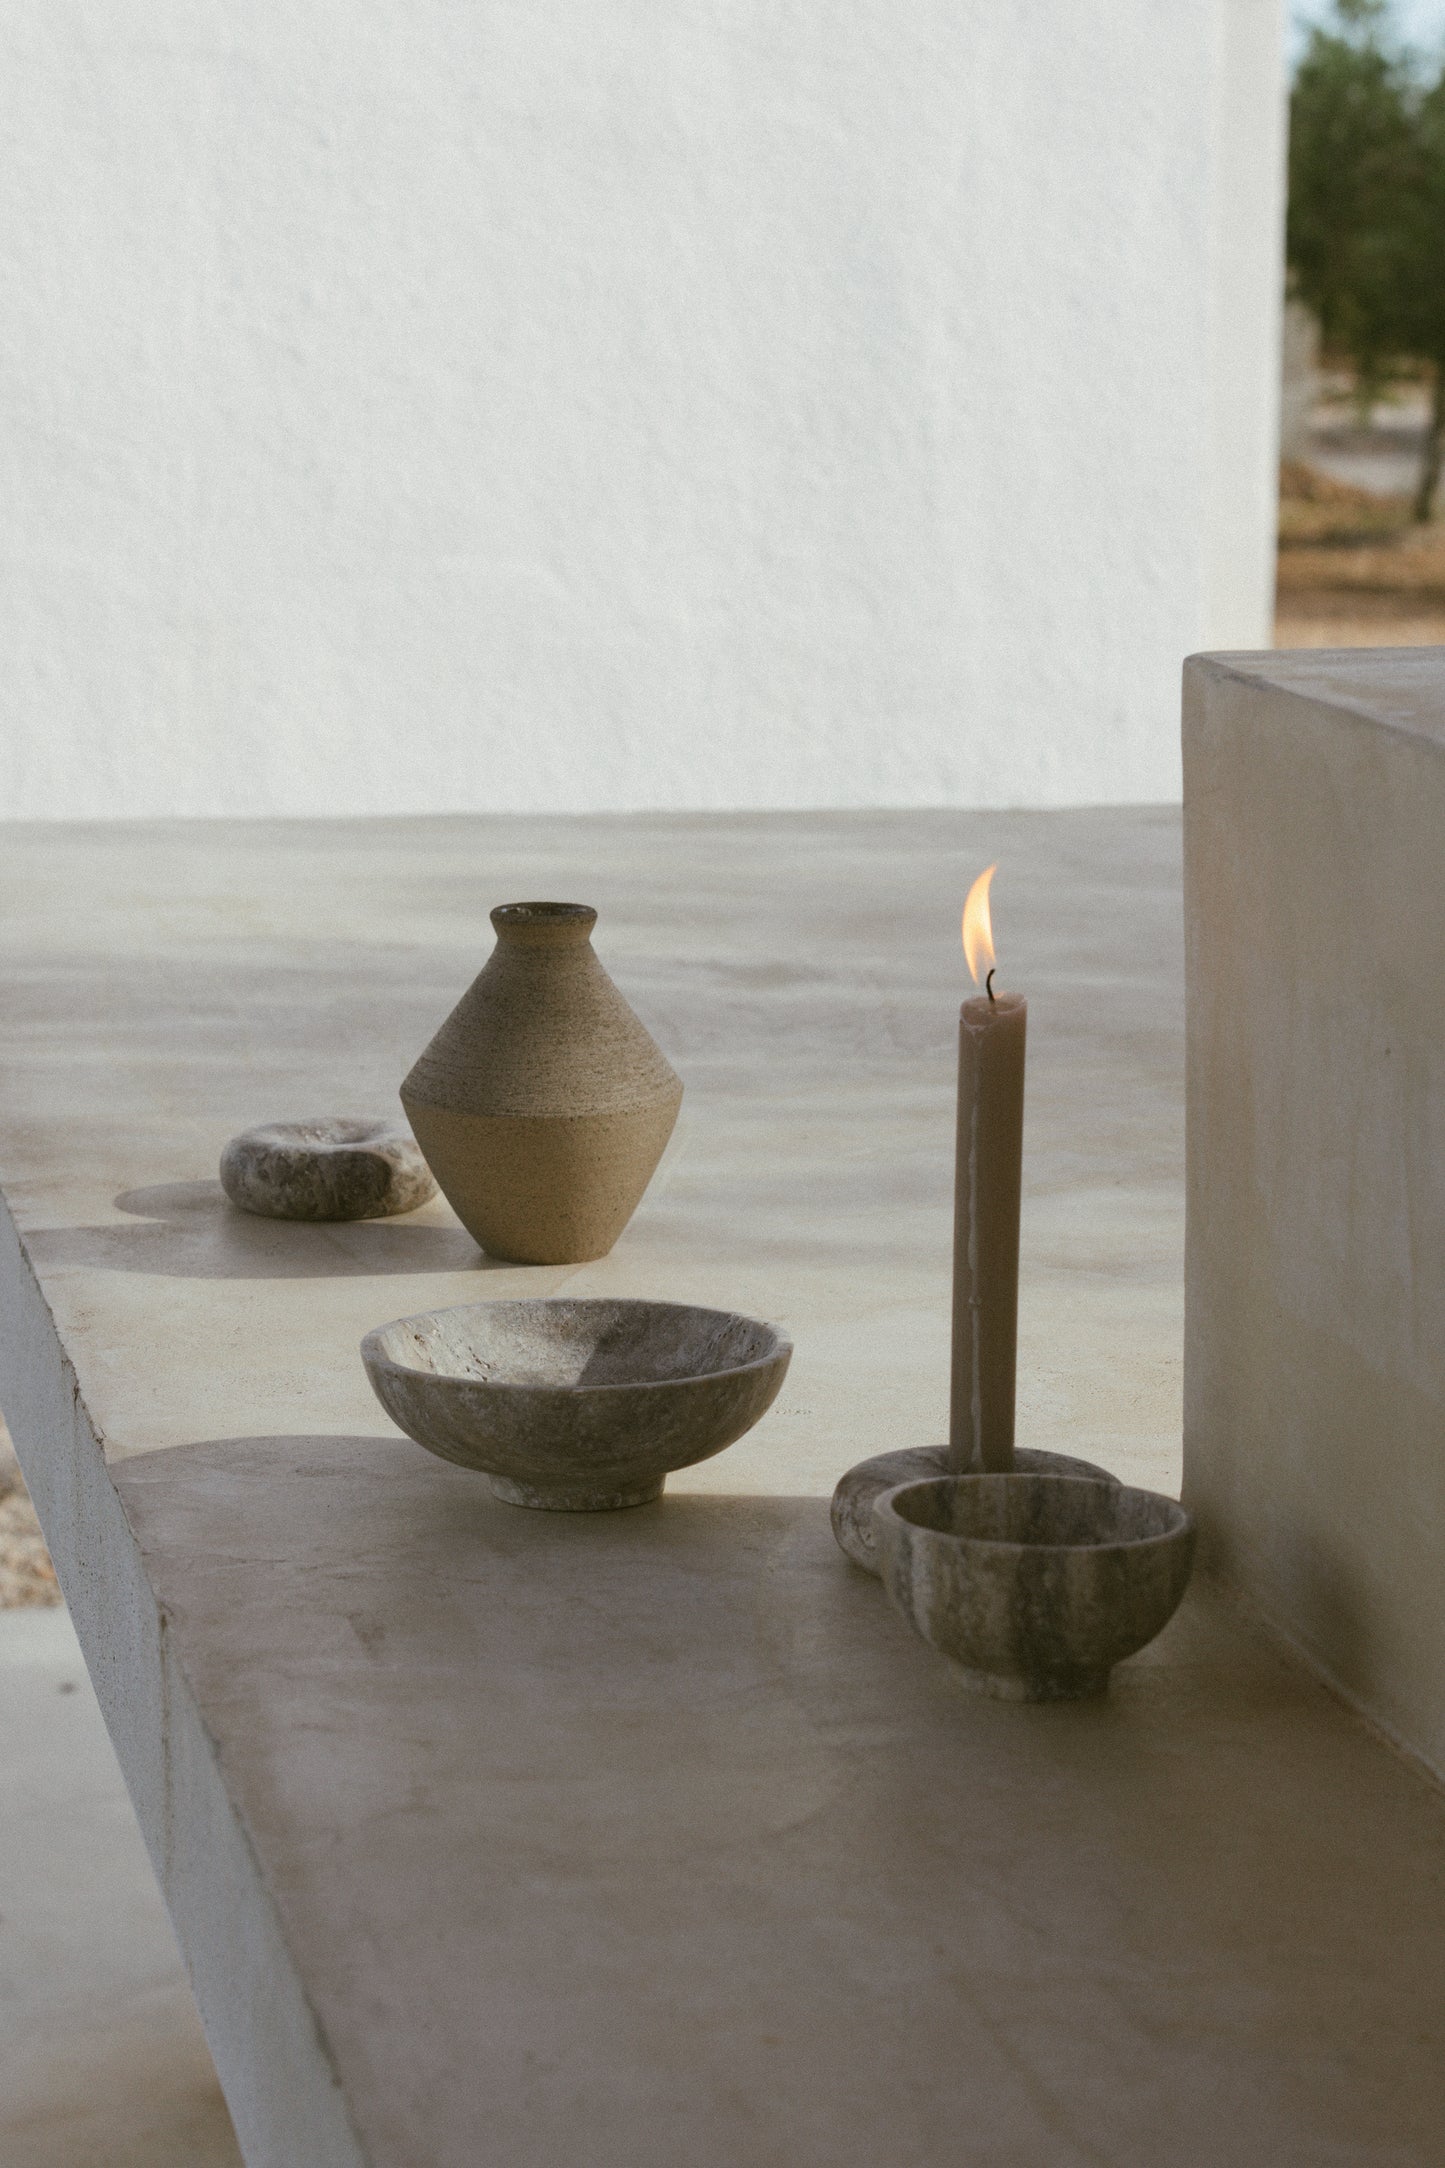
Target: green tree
{"points": [[1416, 311], [1366, 231], [1350, 148]]}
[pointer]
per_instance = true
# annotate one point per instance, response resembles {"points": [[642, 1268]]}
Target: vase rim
{"points": [[560, 920]]}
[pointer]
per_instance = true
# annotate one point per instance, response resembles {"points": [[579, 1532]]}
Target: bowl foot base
{"points": [[573, 1501]]}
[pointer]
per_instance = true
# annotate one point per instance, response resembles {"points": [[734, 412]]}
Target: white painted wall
{"points": [[526, 404]]}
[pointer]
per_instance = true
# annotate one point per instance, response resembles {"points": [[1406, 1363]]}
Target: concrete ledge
{"points": [[272, 2063], [1314, 1423]]}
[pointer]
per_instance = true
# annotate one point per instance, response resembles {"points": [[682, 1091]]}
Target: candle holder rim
{"points": [[1180, 1519], [851, 1510]]}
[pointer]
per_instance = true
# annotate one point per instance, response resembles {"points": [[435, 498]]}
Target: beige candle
{"points": [[988, 1174]]}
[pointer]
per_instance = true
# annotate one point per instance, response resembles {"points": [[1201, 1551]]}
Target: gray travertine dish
{"points": [[1034, 1586], [574, 1405], [337, 1167], [854, 1528]]}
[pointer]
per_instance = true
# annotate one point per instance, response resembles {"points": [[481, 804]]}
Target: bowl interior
{"points": [[1042, 1509], [577, 1346]]}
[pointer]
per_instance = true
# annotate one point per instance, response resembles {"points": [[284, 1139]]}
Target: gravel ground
{"points": [[26, 1574], [1354, 568]]}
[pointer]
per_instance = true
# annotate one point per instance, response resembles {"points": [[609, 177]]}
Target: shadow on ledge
{"points": [[191, 1231]]}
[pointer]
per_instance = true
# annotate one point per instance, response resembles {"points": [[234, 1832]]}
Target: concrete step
{"points": [[103, 2063]]}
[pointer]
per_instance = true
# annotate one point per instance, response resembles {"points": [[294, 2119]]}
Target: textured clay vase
{"points": [[543, 1104]]}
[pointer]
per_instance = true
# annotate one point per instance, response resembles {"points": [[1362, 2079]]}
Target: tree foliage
{"points": [[1366, 230]]}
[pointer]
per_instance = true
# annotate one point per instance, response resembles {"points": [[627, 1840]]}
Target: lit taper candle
{"points": [[988, 1176]]}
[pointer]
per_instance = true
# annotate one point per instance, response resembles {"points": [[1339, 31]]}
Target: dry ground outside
{"points": [[1354, 568], [26, 1574]]}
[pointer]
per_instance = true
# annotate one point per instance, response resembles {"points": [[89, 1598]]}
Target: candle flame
{"points": [[978, 926]]}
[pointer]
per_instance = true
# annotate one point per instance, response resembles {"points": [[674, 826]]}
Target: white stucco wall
{"points": [[526, 404]]}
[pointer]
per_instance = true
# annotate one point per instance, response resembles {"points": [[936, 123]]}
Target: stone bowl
{"points": [[576, 1406], [1034, 1586], [333, 1167]]}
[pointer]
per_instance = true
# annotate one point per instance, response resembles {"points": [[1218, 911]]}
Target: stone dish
{"points": [[576, 1406], [337, 1167], [854, 1529], [1034, 1586]]}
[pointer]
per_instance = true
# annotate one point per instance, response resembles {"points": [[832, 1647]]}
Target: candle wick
{"points": [[988, 986]]}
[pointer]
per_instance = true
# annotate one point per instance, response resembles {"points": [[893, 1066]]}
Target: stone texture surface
{"points": [[543, 1103], [577, 1406], [1315, 1360], [647, 1837], [1034, 1586], [334, 1167]]}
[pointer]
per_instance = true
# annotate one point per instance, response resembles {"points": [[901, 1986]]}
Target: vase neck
{"points": [[544, 925]]}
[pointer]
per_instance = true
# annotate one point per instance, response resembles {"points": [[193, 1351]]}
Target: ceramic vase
{"points": [[543, 1103]]}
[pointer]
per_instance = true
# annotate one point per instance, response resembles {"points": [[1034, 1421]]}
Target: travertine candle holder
{"points": [[1033, 1586]]}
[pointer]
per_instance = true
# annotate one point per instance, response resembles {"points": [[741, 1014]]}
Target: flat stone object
{"points": [[856, 1532], [1033, 1586], [334, 1167], [1314, 1371], [580, 1407], [631, 1839]]}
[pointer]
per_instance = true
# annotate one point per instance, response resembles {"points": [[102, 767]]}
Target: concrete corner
{"points": [[1315, 1251]]}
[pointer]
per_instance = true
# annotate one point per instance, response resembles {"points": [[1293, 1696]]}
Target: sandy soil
{"points": [[1354, 569], [26, 1574]]}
